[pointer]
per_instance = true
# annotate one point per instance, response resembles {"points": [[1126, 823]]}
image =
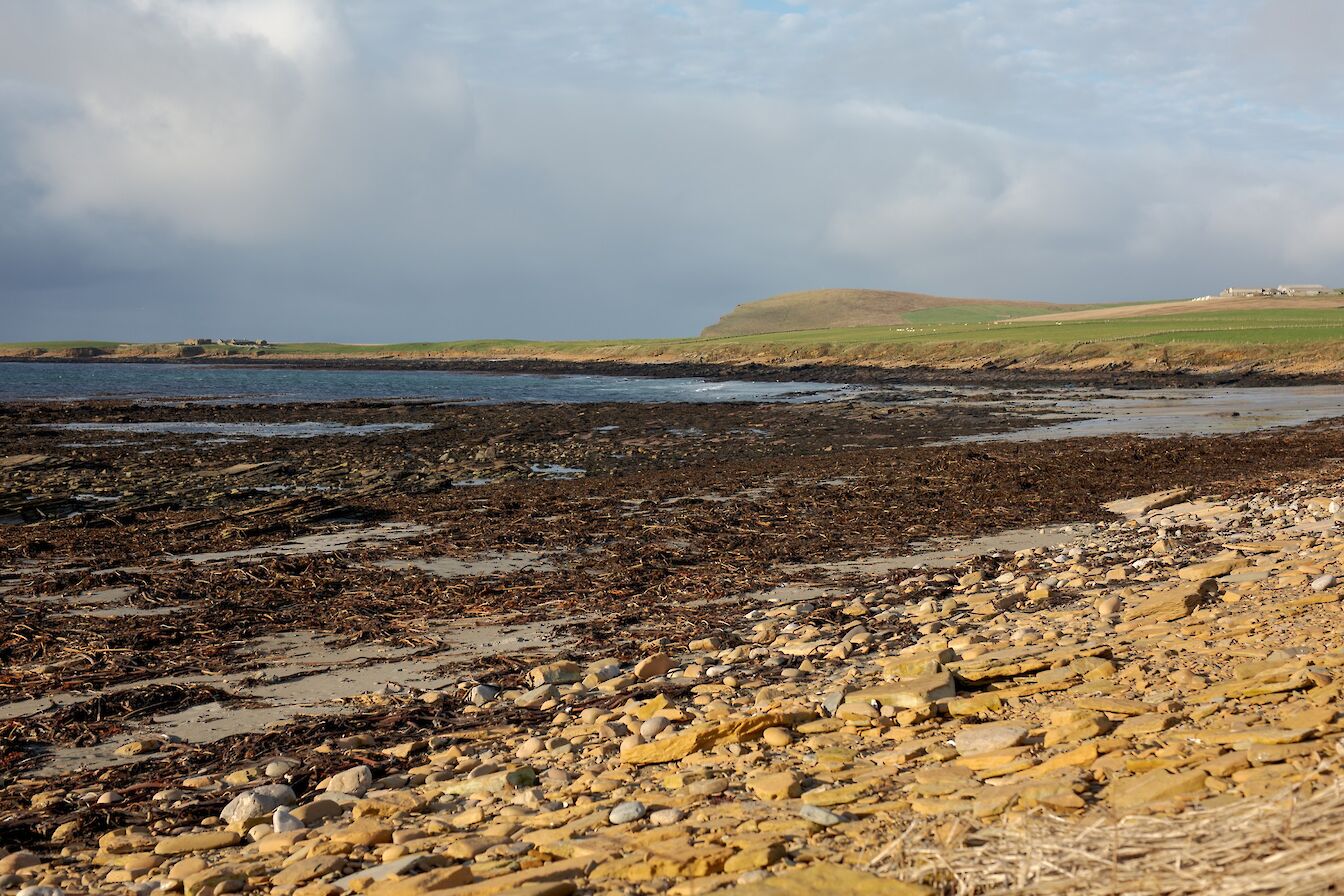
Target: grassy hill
{"points": [[1288, 335], [826, 308]]}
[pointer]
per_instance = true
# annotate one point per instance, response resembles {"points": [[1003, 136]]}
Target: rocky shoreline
{"points": [[1110, 376], [866, 727]]}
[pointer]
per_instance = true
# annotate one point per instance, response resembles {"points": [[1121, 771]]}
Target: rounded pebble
{"points": [[653, 727], [820, 815], [631, 810]]}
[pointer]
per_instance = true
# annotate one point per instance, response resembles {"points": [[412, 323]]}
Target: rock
{"points": [[17, 861], [257, 802], [482, 694], [777, 737], [653, 666], [704, 737], [354, 781], [65, 832], [283, 821], [185, 868], [363, 832], [1321, 583], [664, 817], [915, 664], [1156, 786], [1170, 604], [563, 672], [317, 810], [708, 786], [304, 870], [819, 815], [439, 879], [404, 866], [140, 747], [118, 842], [534, 698], [1069, 725], [495, 782], [624, 813], [825, 877], [775, 785], [754, 856], [259, 831], [1146, 504], [974, 740], [278, 768], [911, 693], [1213, 569], [198, 842], [654, 727], [604, 669]]}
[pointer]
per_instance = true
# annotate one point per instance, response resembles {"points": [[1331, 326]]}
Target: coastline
{"points": [[1118, 376]]}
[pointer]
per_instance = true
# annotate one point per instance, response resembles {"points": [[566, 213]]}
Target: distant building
{"points": [[241, 342], [198, 342], [1299, 289]]}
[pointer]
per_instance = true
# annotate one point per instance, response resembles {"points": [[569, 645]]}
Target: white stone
{"points": [[257, 802], [283, 821], [354, 781]]}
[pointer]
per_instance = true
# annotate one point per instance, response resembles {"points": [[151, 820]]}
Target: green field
{"points": [[59, 344], [1261, 334], [1220, 328]]}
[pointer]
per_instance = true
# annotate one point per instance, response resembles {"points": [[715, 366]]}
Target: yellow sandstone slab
{"points": [[823, 877], [705, 737], [1155, 788], [1254, 736]]}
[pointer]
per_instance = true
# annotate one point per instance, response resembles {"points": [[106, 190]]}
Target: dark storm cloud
{"points": [[373, 171]]}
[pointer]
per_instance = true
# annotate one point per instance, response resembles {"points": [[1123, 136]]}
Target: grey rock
{"points": [[832, 701], [820, 815], [534, 698], [354, 781], [257, 802], [482, 694], [631, 810]]}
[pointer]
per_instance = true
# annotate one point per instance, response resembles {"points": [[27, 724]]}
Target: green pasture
{"points": [[1269, 328]]}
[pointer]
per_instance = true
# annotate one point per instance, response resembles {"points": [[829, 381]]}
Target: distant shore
{"points": [[1120, 377]]}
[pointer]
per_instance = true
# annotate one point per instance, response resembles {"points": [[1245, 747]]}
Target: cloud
{"points": [[371, 171], [238, 122]]}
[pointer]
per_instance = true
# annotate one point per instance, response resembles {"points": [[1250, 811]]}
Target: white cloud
{"points": [[367, 170], [239, 122]]}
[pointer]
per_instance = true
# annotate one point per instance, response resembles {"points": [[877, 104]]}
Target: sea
{"points": [[25, 380]]}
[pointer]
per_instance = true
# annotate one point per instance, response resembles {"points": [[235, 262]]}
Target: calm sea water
{"points": [[272, 384]]}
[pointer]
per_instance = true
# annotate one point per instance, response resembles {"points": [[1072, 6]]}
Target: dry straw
{"points": [[1288, 845]]}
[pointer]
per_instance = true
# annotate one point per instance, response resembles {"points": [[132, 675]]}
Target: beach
{"points": [[646, 647]]}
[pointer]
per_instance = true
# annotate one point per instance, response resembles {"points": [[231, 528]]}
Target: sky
{"points": [[409, 170]]}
